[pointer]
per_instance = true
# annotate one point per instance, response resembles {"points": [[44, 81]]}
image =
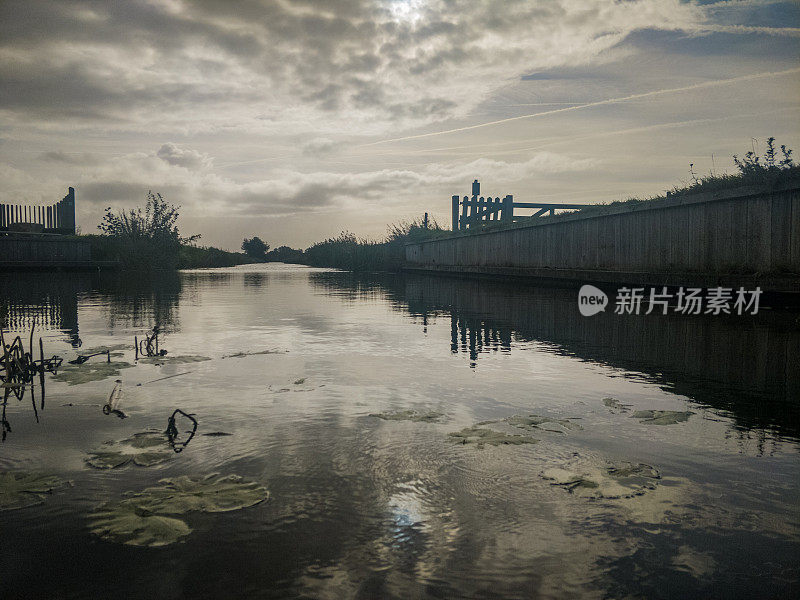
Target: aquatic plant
{"points": [[613, 481], [87, 372], [662, 417], [149, 518], [532, 422], [410, 415], [254, 353], [125, 523], [173, 360], [615, 405], [144, 449], [212, 494], [19, 489], [480, 437]]}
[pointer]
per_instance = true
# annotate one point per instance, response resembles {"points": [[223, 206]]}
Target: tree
{"points": [[255, 248]]}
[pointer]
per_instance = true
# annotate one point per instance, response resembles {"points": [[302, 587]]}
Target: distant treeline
{"points": [[349, 252]]}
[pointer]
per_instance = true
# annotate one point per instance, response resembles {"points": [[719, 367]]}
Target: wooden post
{"points": [[481, 207], [455, 212], [508, 208], [464, 213]]}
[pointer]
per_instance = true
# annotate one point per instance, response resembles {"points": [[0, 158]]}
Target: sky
{"points": [[295, 120]]}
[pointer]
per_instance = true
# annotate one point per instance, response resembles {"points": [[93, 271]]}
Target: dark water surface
{"points": [[362, 507]]}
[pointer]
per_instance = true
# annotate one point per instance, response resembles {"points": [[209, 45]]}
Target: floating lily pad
{"points": [[19, 489], [126, 523], [615, 405], [212, 493], [254, 353], [619, 480], [532, 422], [173, 360], [90, 371], [109, 348], [662, 417], [480, 437], [149, 518], [144, 449], [410, 415]]}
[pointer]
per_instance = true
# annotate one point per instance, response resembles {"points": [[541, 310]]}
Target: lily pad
{"points": [[662, 417], [149, 518], [109, 348], [212, 493], [480, 437], [144, 449], [612, 481], [532, 422], [126, 523], [615, 405], [19, 489], [90, 371], [410, 415], [173, 360], [254, 353]]}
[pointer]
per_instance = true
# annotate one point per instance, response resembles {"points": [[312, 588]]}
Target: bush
{"points": [[348, 252], [142, 240]]}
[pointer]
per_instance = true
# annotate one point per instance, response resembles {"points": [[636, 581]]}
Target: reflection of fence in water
{"points": [[22, 317], [475, 336]]}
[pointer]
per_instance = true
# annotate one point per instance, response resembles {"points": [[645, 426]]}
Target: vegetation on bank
{"points": [[773, 170], [346, 251], [148, 240]]}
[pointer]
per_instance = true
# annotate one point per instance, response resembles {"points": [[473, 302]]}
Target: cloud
{"points": [[361, 66], [320, 146], [183, 157]]}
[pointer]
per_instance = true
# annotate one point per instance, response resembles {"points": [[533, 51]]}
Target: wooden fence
{"points": [[55, 218], [478, 211]]}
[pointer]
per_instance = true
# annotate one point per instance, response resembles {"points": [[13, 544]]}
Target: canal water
{"points": [[611, 456]]}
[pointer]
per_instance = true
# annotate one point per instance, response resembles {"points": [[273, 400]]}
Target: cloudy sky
{"points": [[296, 119]]}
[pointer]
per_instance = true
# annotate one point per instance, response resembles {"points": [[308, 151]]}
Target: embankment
{"points": [[744, 236]]}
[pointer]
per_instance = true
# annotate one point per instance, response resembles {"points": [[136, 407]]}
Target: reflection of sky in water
{"points": [[363, 507]]}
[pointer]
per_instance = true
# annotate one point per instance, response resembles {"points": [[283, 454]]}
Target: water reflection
{"points": [[51, 300], [370, 507], [745, 366]]}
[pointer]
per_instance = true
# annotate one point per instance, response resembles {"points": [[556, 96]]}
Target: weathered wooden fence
{"points": [[18, 250], [476, 211], [55, 218], [746, 231]]}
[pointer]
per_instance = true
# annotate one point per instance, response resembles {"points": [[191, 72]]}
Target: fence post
{"points": [[464, 213], [455, 213], [508, 209]]}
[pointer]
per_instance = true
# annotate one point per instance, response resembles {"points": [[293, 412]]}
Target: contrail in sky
{"points": [[687, 88]]}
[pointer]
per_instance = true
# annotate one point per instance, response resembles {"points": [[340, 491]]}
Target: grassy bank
{"points": [[143, 255], [202, 257], [348, 252]]}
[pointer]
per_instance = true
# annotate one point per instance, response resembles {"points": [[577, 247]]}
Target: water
{"points": [[362, 507]]}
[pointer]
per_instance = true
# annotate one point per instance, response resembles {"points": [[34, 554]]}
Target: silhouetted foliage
{"points": [[348, 252], [194, 257], [255, 248], [143, 239], [767, 172], [285, 254]]}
